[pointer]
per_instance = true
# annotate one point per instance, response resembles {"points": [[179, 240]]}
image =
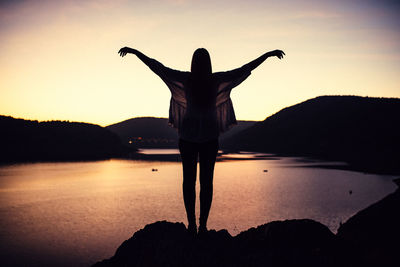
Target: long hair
{"points": [[201, 91], [201, 63]]}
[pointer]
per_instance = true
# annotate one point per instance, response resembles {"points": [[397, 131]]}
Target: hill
{"points": [[151, 132], [25, 140], [363, 131]]}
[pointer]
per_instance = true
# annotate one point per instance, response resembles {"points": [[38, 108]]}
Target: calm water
{"points": [[74, 214]]}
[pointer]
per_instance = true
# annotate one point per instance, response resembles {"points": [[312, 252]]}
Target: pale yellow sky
{"points": [[58, 59]]}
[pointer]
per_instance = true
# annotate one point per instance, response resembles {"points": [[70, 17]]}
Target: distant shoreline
{"points": [[362, 132], [224, 156]]}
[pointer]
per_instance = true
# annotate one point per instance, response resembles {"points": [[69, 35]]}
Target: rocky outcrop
{"points": [[168, 244], [286, 243], [370, 238]]}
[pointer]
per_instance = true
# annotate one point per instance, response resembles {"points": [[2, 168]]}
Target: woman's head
{"points": [[201, 62]]}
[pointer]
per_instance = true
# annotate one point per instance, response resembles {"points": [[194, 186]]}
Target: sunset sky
{"points": [[59, 61]]}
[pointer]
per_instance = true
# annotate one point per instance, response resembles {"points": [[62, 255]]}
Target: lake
{"points": [[77, 213]]}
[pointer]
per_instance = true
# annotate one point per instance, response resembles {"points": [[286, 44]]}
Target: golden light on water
{"points": [[77, 213]]}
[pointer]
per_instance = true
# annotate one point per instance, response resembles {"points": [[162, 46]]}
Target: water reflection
{"points": [[86, 209], [155, 151]]}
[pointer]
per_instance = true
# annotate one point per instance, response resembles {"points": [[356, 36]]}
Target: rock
{"points": [[168, 244], [373, 234], [287, 243], [369, 238]]}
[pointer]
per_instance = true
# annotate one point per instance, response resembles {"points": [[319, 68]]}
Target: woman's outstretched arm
{"points": [[166, 74], [151, 63], [230, 79], [174, 79], [257, 62]]}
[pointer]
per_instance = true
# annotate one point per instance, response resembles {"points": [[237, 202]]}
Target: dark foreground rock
{"points": [[168, 244], [373, 234], [370, 238]]}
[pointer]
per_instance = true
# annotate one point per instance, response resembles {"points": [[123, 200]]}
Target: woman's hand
{"points": [[125, 50], [277, 53]]}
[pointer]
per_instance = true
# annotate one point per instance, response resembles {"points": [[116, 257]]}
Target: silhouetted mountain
{"points": [[369, 238], [151, 132], [363, 131], [25, 140]]}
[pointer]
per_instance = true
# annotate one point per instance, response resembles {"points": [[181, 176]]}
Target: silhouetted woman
{"points": [[201, 109]]}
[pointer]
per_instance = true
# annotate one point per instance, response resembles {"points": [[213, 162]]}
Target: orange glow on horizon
{"points": [[58, 60]]}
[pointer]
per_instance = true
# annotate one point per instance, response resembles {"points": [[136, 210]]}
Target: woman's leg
{"points": [[189, 154], [207, 154]]}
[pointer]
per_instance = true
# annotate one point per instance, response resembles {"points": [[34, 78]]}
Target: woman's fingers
{"points": [[280, 54], [123, 51]]}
